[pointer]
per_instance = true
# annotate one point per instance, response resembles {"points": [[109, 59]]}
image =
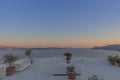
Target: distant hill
{"points": [[109, 47], [46, 48], [10, 48], [22, 48]]}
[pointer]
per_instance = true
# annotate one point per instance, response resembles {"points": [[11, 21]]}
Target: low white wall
{"points": [[22, 64], [2, 71]]}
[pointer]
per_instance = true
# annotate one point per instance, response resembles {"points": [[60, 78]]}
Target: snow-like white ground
{"points": [[44, 68]]}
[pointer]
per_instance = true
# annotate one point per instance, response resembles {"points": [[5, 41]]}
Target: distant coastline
{"points": [[22, 48], [46, 48], [115, 47]]}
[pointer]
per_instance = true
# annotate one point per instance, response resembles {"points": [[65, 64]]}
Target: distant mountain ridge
{"points": [[22, 48], [9, 47], [109, 47]]}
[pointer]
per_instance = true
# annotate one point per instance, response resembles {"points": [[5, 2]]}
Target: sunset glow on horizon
{"points": [[71, 44], [59, 23]]}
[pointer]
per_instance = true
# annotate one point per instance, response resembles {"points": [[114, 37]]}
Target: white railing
{"points": [[2, 71], [22, 64]]}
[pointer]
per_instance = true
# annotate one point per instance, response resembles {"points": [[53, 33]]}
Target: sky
{"points": [[59, 23]]}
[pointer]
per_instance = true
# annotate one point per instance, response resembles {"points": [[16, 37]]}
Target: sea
{"points": [[47, 53]]}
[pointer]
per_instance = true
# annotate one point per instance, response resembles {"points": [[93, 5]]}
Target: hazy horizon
{"points": [[56, 46], [59, 23]]}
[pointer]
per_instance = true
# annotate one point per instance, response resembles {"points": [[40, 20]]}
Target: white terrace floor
{"points": [[44, 68]]}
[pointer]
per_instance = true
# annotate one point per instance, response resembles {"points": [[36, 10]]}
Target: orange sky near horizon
{"points": [[73, 44]]}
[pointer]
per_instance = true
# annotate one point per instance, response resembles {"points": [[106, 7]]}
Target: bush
{"points": [[70, 68], [68, 54], [94, 77], [28, 53], [114, 58], [9, 58], [111, 58]]}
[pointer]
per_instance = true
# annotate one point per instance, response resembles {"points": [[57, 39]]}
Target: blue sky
{"points": [[67, 23]]}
